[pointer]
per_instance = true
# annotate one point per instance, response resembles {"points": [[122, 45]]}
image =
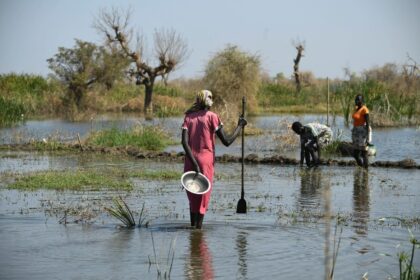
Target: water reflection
{"points": [[361, 200], [200, 265], [241, 247], [310, 188]]}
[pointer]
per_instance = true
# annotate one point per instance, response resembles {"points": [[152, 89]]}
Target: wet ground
{"points": [[294, 216]]}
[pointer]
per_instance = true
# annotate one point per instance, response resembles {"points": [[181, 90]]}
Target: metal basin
{"points": [[195, 183]]}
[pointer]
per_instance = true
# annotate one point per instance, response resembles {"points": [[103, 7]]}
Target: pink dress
{"points": [[202, 126]]}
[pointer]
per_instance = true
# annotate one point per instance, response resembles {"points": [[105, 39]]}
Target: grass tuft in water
{"points": [[70, 180], [122, 212], [407, 269], [147, 137], [156, 175]]}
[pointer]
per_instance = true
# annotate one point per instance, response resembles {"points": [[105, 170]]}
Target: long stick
{"points": [[328, 100], [241, 207], [242, 147]]}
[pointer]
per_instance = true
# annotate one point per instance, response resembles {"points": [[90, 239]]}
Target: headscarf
{"points": [[203, 101]]}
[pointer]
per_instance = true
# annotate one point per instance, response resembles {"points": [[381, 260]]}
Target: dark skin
{"points": [[308, 152], [226, 140], [359, 103]]}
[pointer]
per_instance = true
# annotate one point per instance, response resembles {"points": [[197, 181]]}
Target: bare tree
{"points": [[170, 50], [300, 48]]}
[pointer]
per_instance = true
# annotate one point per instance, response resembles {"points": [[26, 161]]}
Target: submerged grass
{"points": [[147, 138], [156, 175], [109, 178], [70, 180]]}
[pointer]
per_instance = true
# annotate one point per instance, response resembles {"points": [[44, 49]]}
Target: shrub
{"points": [[10, 112], [231, 74], [148, 138]]}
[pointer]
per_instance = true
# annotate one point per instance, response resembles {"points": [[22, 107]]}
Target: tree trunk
{"points": [[296, 73], [148, 105]]}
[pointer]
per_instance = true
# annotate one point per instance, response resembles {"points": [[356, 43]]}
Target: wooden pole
{"points": [[328, 101]]}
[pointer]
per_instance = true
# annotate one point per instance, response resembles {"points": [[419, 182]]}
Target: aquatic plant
{"points": [[407, 269], [70, 180], [49, 145], [156, 174], [144, 137], [164, 268], [122, 212], [335, 248], [334, 147], [142, 218]]}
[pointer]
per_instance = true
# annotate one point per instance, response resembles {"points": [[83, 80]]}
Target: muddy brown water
{"points": [[286, 233]]}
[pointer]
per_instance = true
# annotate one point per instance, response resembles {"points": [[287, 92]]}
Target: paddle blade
{"points": [[241, 207]]}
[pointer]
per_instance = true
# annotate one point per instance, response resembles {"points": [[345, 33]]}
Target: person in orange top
{"points": [[360, 132]]}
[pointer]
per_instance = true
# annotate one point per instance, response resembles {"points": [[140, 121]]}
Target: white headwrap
{"points": [[203, 100]]}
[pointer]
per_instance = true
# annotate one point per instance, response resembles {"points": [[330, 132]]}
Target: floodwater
{"points": [[297, 217], [287, 233], [392, 144]]}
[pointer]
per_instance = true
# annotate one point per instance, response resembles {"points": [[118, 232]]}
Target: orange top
{"points": [[359, 116]]}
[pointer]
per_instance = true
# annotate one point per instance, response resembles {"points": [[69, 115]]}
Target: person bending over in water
{"points": [[198, 140], [313, 136]]}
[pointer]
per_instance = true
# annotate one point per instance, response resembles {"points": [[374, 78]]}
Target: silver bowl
{"points": [[195, 183]]}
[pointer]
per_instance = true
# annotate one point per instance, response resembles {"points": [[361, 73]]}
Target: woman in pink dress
{"points": [[198, 140]]}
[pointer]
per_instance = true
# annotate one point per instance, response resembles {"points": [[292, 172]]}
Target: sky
{"points": [[338, 34]]}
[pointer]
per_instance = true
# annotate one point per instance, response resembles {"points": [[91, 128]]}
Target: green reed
{"points": [[406, 264], [11, 112]]}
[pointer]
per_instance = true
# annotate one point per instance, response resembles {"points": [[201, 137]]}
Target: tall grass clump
{"points": [[24, 84], [122, 212], [143, 137], [277, 95], [11, 112], [166, 106], [406, 262], [37, 95], [161, 89], [334, 147]]}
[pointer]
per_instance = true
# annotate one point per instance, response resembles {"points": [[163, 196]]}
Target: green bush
{"points": [[232, 74], [34, 93], [147, 138], [10, 112], [282, 97], [161, 89], [122, 92], [272, 95], [23, 85]]}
